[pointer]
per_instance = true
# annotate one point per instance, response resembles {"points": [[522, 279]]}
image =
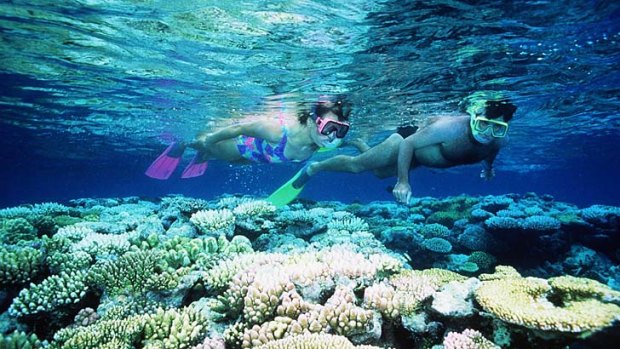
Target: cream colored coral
{"points": [[468, 339], [403, 293], [525, 302], [263, 294], [214, 222], [313, 341], [254, 208], [343, 316]]}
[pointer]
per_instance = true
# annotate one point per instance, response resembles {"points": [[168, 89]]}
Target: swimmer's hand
{"points": [[487, 174], [402, 192]]}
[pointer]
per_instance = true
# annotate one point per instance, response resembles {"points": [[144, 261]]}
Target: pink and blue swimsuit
{"points": [[260, 150]]}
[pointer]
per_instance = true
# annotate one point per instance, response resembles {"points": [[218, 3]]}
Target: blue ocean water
{"points": [[93, 90]]}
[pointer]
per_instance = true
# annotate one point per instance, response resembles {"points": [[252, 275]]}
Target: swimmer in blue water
{"points": [[438, 142], [294, 134]]}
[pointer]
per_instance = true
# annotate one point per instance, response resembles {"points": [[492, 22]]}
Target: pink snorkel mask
{"points": [[329, 126]]}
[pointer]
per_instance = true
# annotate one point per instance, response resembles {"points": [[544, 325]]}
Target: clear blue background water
{"points": [[93, 90]]}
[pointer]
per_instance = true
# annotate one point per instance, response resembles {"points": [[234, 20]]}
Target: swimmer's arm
{"points": [[487, 167], [259, 129], [410, 144], [421, 139]]}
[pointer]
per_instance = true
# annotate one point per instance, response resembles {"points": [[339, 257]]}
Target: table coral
{"points": [[437, 245], [577, 305]]}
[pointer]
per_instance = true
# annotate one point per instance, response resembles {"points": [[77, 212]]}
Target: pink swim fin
{"points": [[167, 162], [196, 167]]}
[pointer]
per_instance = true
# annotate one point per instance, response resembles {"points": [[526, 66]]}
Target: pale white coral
{"points": [[254, 208], [468, 339], [73, 232], [214, 222], [350, 224], [102, 244]]}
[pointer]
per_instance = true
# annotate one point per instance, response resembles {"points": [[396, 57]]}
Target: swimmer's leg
{"points": [[381, 156]]}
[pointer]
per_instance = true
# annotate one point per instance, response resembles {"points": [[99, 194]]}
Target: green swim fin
{"points": [[290, 190]]}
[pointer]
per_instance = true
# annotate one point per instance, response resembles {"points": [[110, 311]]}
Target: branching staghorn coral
{"points": [[403, 293], [254, 208], [134, 273], [214, 222], [125, 333], [54, 292], [468, 339], [173, 329], [19, 264], [350, 224], [314, 341], [20, 340], [273, 307]]}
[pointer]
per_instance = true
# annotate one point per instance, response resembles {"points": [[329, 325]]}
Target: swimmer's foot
{"points": [[196, 167], [302, 178], [291, 189], [163, 167]]}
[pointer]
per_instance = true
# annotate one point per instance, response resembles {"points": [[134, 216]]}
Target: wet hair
{"points": [[499, 108], [339, 105]]}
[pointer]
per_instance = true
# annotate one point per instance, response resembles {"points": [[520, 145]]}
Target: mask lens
{"points": [[499, 130], [482, 125], [331, 126]]}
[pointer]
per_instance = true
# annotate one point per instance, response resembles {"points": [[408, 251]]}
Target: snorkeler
{"points": [[440, 142], [295, 135]]}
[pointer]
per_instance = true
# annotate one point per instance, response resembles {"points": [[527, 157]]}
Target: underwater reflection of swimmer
{"points": [[295, 135], [439, 142]]}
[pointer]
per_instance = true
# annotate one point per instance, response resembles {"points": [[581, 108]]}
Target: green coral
{"points": [[64, 220], [437, 245], [103, 334], [54, 292], [20, 340], [15, 230], [448, 211], [435, 230], [173, 329], [134, 272], [469, 267], [19, 265], [483, 260]]}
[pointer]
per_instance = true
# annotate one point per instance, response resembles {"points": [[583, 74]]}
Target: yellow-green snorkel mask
{"points": [[482, 128]]}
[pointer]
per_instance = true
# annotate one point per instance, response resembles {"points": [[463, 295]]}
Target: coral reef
{"points": [[236, 272]]}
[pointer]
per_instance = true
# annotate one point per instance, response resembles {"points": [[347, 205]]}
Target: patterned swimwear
{"points": [[260, 150]]}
